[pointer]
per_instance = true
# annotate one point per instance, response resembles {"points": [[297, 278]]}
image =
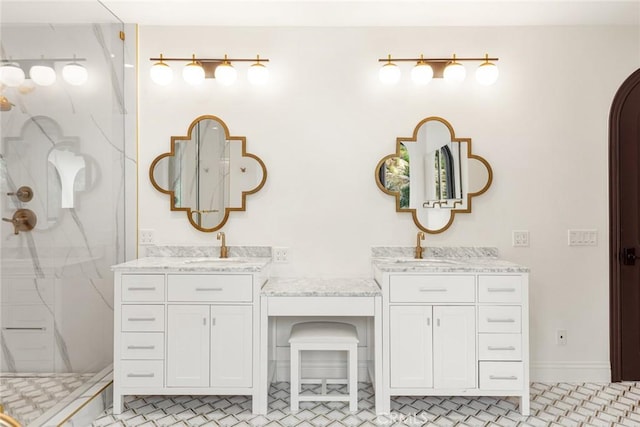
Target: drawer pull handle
{"points": [[9, 328], [141, 347], [141, 319], [208, 289], [498, 377], [141, 375], [142, 288], [493, 348], [501, 289], [491, 320], [433, 290]]}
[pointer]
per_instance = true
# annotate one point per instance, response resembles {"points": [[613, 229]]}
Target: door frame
{"points": [[615, 324]]}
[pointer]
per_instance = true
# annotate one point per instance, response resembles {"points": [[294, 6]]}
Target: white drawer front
{"points": [[142, 373], [501, 375], [432, 288], [500, 289], [143, 318], [499, 319], [143, 287], [210, 287], [500, 346], [142, 345]]}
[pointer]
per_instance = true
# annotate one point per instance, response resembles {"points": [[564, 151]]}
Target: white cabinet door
{"points": [[454, 347], [188, 346], [231, 346], [410, 345]]}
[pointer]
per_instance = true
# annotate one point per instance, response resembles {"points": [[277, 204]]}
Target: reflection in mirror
{"points": [[208, 173], [433, 175]]}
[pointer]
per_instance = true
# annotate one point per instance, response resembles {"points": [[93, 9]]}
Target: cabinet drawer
{"points": [[432, 288], [499, 319], [143, 287], [500, 289], [142, 345], [142, 373], [210, 287], [500, 346], [143, 318], [501, 375]]}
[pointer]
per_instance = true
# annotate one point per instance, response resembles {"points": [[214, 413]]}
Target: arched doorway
{"points": [[624, 230]]}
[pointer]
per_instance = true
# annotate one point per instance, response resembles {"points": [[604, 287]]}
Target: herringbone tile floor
{"points": [[559, 404]]}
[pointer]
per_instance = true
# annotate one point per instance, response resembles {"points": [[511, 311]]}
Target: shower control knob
{"points": [[22, 220], [24, 194]]}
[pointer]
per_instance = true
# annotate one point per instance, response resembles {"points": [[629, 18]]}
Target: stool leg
{"points": [[295, 379], [353, 379]]}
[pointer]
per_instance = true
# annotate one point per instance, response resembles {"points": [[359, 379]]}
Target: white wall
{"points": [[325, 121]]}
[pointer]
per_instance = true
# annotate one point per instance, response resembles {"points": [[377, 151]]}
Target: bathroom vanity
{"points": [[454, 325], [175, 321]]}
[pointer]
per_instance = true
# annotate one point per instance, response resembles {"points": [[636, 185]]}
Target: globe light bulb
{"points": [[160, 73], [11, 74], [454, 72], [389, 74], [258, 74], [75, 74], [225, 74], [422, 73], [193, 73], [42, 75], [487, 73]]}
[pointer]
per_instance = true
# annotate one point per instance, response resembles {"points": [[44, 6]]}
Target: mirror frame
{"points": [[227, 209], [469, 196]]}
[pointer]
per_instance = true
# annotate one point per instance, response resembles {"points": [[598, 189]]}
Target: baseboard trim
{"points": [[599, 372]]}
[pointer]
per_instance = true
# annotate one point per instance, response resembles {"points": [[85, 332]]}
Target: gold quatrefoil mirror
{"points": [[433, 175], [208, 173]]}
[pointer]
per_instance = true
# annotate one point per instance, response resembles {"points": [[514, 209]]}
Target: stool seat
{"points": [[324, 336], [323, 332]]}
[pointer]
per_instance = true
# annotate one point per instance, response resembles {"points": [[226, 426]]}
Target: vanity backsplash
{"points": [[208, 251], [434, 252]]}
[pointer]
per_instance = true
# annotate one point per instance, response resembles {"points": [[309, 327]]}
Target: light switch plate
{"points": [[583, 237], [520, 238], [147, 237]]}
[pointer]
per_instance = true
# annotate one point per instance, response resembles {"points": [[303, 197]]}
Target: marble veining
{"points": [[430, 252], [195, 264], [208, 251], [448, 265], [315, 287]]}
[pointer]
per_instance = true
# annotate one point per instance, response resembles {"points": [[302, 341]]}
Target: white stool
{"points": [[333, 336]]}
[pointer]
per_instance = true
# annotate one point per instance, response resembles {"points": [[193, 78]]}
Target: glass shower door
{"points": [[63, 200]]}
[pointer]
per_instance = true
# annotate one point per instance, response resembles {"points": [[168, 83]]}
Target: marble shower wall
{"points": [[72, 145]]}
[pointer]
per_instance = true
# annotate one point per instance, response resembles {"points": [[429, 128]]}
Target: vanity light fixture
{"points": [[450, 69], [41, 71], [221, 69]]}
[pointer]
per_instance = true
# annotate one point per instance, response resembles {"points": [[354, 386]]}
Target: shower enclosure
{"points": [[67, 195]]}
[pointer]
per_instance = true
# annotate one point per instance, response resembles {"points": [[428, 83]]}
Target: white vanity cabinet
{"points": [[186, 332], [454, 331]]}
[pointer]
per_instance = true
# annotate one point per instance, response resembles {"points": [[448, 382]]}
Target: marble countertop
{"points": [[316, 287], [447, 265], [195, 264]]}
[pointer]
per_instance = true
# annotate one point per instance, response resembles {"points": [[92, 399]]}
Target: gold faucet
{"points": [[223, 246], [418, 246]]}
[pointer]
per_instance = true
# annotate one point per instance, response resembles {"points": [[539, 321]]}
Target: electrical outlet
{"points": [[146, 237], [281, 255], [583, 237], [561, 337], [520, 238]]}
